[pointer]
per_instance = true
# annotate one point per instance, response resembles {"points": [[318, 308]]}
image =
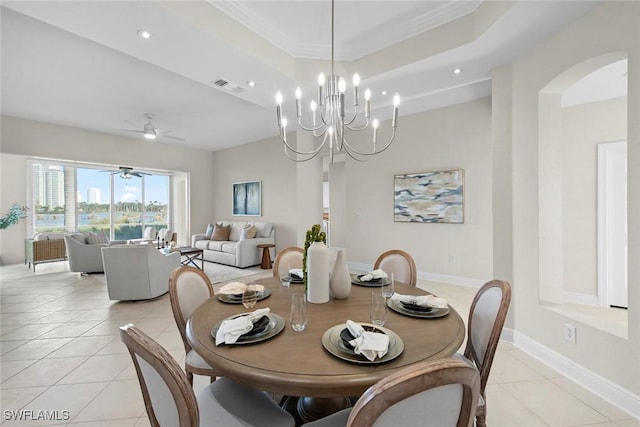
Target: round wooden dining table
{"points": [[296, 363]]}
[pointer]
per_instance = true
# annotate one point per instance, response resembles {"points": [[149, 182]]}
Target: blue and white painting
{"points": [[247, 198], [429, 197]]}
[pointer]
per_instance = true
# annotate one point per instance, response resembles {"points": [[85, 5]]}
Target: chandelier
{"points": [[329, 120]]}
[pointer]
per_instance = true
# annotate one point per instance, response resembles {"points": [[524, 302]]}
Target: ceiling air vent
{"points": [[227, 85]]}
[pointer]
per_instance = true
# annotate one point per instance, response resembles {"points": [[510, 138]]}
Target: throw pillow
{"points": [[209, 231], [248, 232], [221, 232], [96, 238]]}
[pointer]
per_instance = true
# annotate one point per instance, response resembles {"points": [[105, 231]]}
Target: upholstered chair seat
{"points": [[188, 288], [486, 319], [170, 400], [437, 393]]}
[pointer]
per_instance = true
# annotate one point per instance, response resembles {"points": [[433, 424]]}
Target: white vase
{"points": [[340, 283], [318, 273]]}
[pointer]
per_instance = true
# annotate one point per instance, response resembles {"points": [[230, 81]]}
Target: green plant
{"points": [[15, 214], [313, 235]]}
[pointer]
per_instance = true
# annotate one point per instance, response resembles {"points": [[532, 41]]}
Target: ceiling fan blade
{"points": [[133, 124], [172, 137], [131, 130]]}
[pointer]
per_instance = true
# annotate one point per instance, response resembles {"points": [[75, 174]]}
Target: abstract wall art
{"points": [[247, 198], [429, 197]]}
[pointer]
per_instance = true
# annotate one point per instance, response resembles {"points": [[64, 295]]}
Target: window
{"points": [[77, 197]]}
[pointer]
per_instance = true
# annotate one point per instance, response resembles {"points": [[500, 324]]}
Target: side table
{"points": [[266, 255]]}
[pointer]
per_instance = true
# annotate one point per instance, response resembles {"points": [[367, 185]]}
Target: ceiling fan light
{"points": [[150, 134]]}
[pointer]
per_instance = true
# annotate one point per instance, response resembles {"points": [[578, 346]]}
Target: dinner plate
{"points": [[332, 342], [355, 279], [237, 298], [294, 279], [433, 313], [274, 326]]}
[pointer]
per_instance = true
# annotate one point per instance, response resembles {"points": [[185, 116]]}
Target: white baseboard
{"points": [[433, 277], [580, 298], [452, 280], [617, 396]]}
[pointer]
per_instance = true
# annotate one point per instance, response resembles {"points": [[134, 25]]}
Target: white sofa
{"points": [[137, 272], [236, 252]]}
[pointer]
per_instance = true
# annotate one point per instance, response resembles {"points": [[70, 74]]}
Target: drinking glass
{"points": [[378, 313], [388, 287], [285, 279], [250, 296], [298, 312]]}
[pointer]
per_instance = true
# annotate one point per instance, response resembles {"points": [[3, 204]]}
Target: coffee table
{"points": [[192, 255]]}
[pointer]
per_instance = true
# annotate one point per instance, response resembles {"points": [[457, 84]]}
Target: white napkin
{"points": [[235, 288], [375, 274], [421, 300], [369, 344], [231, 329], [296, 272]]}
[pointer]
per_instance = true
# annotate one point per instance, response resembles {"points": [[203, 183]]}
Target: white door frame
{"points": [[610, 157]]}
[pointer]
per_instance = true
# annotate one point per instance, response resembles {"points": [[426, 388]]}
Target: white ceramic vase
{"points": [[340, 283], [318, 273]]}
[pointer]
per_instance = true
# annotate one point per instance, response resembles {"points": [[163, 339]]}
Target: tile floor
{"points": [[60, 350]]}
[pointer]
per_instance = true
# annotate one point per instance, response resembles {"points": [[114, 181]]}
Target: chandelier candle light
{"points": [[334, 122]]}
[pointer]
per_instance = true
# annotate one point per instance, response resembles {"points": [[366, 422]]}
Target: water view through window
{"points": [[86, 199]]}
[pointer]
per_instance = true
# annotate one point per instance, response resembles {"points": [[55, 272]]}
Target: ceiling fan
{"points": [[127, 172], [149, 130]]}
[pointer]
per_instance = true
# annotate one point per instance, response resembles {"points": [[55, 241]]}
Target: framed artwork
{"points": [[247, 198], [429, 197]]}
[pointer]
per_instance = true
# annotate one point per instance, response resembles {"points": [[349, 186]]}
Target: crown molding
{"points": [[392, 32]]}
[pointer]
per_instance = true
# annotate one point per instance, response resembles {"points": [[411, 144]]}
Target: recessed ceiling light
{"points": [[144, 34], [384, 92], [457, 70], [251, 83]]}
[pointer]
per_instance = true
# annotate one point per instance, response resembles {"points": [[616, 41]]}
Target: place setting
{"points": [[235, 292], [362, 343], [365, 343], [373, 278], [248, 328], [293, 276], [421, 306]]}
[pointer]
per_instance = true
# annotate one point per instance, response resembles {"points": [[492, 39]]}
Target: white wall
{"points": [[449, 138], [264, 161], [611, 27], [25, 138], [455, 137], [584, 127]]}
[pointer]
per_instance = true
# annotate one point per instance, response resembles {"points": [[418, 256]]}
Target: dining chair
{"points": [[188, 288], [486, 318], [170, 401], [435, 393], [291, 257], [400, 263]]}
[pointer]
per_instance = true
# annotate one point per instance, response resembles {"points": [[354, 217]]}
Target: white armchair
{"points": [[137, 272], [83, 257]]}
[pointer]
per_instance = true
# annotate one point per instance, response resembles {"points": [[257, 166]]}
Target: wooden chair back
{"points": [[486, 318], [290, 257], [168, 396], [437, 393], [188, 288], [400, 263]]}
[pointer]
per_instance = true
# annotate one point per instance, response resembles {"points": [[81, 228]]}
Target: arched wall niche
{"points": [[556, 187]]}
